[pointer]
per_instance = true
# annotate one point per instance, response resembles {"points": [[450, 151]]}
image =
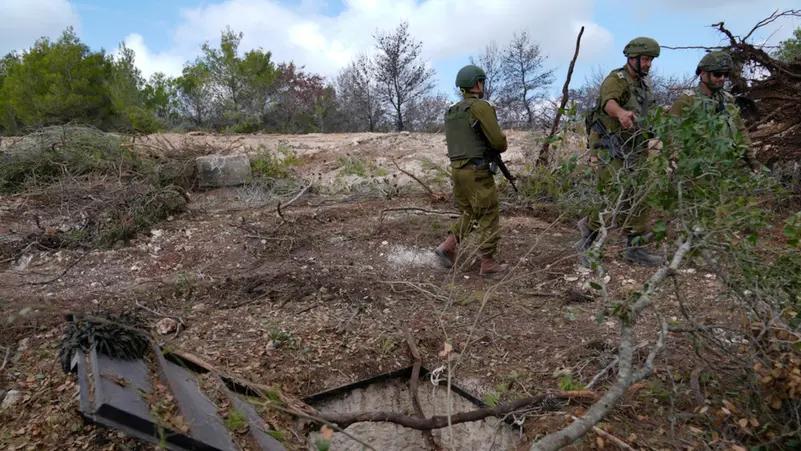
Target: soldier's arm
{"points": [[484, 113], [612, 91]]}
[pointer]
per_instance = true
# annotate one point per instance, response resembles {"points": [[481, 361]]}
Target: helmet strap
{"points": [[637, 70], [707, 84]]}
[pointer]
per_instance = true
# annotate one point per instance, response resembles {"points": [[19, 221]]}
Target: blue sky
{"points": [[325, 35]]}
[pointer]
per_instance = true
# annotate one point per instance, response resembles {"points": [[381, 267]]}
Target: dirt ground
{"points": [[317, 299]]}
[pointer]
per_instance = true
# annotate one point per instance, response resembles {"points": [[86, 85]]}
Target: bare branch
{"points": [[413, 177], [626, 376], [773, 17], [543, 158], [415, 381], [440, 421]]}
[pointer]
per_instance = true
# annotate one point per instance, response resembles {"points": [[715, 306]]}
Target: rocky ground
{"points": [[316, 297]]}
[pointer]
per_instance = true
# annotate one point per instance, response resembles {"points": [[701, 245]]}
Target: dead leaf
{"points": [[743, 422], [447, 350], [326, 432], [600, 442], [636, 387], [754, 422], [737, 448], [695, 430]]}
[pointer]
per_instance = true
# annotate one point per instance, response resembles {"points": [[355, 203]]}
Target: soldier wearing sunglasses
{"points": [[713, 69]]}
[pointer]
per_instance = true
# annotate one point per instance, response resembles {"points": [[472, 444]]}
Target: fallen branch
{"points": [[602, 373], [695, 385], [297, 196], [609, 436], [63, 273], [414, 178], [422, 210], [414, 382], [5, 359], [626, 374], [440, 421], [543, 157]]}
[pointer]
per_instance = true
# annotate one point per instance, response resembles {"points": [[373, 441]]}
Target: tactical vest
{"points": [[720, 103], [638, 98], [464, 141]]}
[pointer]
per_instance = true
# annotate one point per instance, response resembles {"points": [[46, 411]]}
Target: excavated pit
{"points": [[392, 394]]}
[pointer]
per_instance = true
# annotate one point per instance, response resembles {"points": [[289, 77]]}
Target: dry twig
{"points": [[413, 177], [609, 436], [414, 383], [543, 158], [441, 421]]}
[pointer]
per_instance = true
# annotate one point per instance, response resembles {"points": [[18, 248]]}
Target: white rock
{"points": [[223, 170], [11, 399]]}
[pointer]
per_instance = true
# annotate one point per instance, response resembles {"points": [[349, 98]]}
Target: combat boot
{"points": [[490, 268], [588, 237], [447, 251], [640, 256]]}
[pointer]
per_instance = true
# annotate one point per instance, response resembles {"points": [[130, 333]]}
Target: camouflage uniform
{"points": [[472, 132], [632, 95], [619, 150], [474, 189], [718, 101]]}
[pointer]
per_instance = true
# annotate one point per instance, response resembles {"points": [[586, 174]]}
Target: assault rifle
{"points": [[496, 163], [495, 159]]}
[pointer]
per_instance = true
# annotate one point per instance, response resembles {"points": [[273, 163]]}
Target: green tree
{"points": [[160, 95], [125, 91], [56, 83], [240, 84], [194, 93], [790, 49]]}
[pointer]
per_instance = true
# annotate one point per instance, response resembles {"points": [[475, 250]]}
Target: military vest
{"points": [[638, 99], [465, 141], [720, 103]]}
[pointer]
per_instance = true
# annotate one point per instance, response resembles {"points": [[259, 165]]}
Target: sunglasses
{"points": [[718, 74]]}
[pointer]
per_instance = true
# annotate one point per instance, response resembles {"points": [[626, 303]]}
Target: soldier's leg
{"points": [[636, 228], [486, 209], [462, 181], [463, 187]]}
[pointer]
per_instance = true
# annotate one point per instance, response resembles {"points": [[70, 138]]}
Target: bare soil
{"points": [[316, 299]]}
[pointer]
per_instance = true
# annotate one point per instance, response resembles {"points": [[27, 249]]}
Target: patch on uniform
{"points": [[620, 74]]}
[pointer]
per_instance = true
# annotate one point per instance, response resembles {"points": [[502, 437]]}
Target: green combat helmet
{"points": [[641, 46], [469, 75], [715, 61]]}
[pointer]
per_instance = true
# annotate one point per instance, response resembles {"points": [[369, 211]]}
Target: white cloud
{"points": [[448, 29], [150, 63], [25, 21]]}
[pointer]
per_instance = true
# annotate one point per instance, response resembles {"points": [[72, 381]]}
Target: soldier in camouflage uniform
{"points": [[472, 132], [617, 145], [709, 95]]}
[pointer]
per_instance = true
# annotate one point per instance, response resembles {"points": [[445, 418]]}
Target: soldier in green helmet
{"points": [[713, 69], [617, 145], [472, 132]]}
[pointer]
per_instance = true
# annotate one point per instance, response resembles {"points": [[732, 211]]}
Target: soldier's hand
{"points": [[626, 118]]}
